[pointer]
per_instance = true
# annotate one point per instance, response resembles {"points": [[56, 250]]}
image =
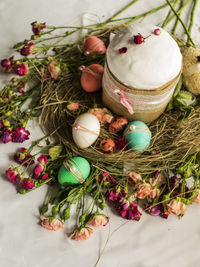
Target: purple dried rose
{"points": [[20, 135], [5, 136], [23, 157]]}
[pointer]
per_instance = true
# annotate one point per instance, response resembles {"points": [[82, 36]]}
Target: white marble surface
{"points": [[152, 242]]}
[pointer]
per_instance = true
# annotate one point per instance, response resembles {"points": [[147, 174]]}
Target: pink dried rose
{"points": [[54, 70], [38, 169], [21, 69], [73, 106], [143, 191], [157, 181], [107, 179], [27, 184], [175, 207], [154, 193], [81, 234], [13, 175], [27, 49], [196, 197], [45, 176], [102, 114], [51, 225], [42, 159], [98, 220], [37, 27], [22, 156], [135, 177]]}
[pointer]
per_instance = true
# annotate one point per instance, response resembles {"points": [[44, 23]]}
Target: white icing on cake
{"points": [[144, 66]]}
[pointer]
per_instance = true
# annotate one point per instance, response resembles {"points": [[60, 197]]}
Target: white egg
{"points": [[85, 130]]}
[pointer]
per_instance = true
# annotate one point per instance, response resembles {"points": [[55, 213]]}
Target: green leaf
{"points": [[54, 152], [66, 214], [55, 210], [44, 209]]}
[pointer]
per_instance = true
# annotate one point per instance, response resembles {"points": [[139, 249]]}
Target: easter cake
{"points": [[143, 66]]}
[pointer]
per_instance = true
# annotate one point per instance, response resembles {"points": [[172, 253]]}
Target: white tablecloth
{"points": [[152, 242]]}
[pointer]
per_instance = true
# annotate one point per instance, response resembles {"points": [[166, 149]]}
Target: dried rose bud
{"points": [[138, 39], [123, 50], [5, 63], [21, 70], [157, 31]]}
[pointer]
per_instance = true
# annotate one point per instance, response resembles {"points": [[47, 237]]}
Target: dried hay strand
{"points": [[172, 140]]}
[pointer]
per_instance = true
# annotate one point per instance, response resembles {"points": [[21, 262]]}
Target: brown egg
{"points": [[108, 146], [118, 125], [93, 44], [91, 78]]}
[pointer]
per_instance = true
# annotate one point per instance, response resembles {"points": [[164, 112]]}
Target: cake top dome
{"points": [[148, 65]]}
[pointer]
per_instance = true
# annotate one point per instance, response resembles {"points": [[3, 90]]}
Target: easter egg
{"points": [[74, 170], [91, 78], [93, 44], [117, 125], [85, 130], [137, 135], [108, 146]]}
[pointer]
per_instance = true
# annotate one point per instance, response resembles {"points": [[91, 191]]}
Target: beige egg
{"points": [[85, 130]]}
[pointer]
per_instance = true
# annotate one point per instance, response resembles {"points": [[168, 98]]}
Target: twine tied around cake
{"points": [[136, 128], [79, 127], [69, 165], [123, 98]]}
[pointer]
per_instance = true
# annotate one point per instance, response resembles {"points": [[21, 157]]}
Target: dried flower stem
{"points": [[119, 12], [177, 21], [192, 16], [150, 12], [178, 17], [178, 12], [165, 22]]}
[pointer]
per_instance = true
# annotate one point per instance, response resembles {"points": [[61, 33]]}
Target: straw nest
{"points": [[172, 140]]}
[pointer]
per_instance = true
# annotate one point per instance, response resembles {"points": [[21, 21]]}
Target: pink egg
{"points": [[93, 44], [91, 78]]}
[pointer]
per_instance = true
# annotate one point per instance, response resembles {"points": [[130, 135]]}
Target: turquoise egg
{"points": [[74, 170], [137, 135]]}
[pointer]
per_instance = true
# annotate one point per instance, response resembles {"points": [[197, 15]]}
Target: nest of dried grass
{"points": [[172, 140]]}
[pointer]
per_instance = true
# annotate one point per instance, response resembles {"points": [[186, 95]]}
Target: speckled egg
{"points": [[137, 135], [74, 170], [91, 78], [85, 130], [93, 44], [107, 146]]}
